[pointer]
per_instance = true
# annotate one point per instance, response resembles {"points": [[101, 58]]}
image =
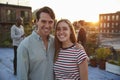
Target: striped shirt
{"points": [[66, 66]]}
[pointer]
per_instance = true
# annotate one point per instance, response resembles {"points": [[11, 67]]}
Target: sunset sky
{"points": [[87, 10]]}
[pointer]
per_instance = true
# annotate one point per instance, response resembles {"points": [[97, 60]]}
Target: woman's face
{"points": [[63, 32]]}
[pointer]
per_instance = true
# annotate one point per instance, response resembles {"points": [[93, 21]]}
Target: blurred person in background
{"points": [[81, 38], [17, 35]]}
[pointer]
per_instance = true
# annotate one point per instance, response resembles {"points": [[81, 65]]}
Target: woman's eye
{"points": [[64, 28], [58, 29]]}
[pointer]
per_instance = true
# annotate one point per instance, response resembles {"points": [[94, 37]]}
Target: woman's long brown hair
{"points": [[58, 44]]}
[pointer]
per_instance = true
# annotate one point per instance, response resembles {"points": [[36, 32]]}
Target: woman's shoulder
{"points": [[78, 46]]}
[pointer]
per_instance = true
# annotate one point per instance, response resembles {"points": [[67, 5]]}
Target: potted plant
{"points": [[102, 54], [93, 60], [113, 65]]}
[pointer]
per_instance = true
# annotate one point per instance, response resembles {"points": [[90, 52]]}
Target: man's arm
{"points": [[14, 35], [22, 63]]}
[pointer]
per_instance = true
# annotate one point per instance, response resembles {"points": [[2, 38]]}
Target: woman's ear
{"points": [[70, 31]]}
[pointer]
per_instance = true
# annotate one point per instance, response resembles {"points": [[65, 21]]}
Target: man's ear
{"points": [[36, 20]]}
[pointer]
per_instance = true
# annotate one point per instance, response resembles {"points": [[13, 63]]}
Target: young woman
{"points": [[70, 62]]}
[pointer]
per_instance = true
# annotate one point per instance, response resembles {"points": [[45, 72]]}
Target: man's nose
{"points": [[47, 24]]}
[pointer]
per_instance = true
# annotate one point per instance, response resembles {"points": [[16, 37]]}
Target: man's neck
{"points": [[44, 38], [17, 25]]}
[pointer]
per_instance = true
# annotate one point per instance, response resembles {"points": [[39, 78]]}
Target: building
{"points": [[109, 28], [8, 15], [109, 23]]}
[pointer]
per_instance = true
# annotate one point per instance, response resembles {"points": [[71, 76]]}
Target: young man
{"points": [[17, 35], [36, 52], [81, 38]]}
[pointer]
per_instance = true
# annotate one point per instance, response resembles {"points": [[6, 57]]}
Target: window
{"points": [[107, 31], [112, 31], [104, 25], [10, 15], [100, 25], [104, 31], [104, 17], [25, 15], [101, 18], [22, 13], [108, 18], [117, 17], [112, 25], [116, 24], [113, 17], [108, 24]]}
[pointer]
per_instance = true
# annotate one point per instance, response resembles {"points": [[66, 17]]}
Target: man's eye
{"points": [[43, 21], [50, 22]]}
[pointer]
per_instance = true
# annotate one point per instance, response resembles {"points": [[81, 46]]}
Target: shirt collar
{"points": [[37, 36]]}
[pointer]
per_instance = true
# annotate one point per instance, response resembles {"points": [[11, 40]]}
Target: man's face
{"points": [[45, 24], [19, 21], [78, 24]]}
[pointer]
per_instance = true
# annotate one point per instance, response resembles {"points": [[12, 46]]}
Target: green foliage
{"points": [[5, 43], [34, 14], [93, 54], [114, 62], [91, 44], [5, 39], [28, 29], [103, 53]]}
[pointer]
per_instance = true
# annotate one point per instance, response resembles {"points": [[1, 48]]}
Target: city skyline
{"points": [[74, 9]]}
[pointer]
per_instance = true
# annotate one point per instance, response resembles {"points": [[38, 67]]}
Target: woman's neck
{"points": [[67, 44]]}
